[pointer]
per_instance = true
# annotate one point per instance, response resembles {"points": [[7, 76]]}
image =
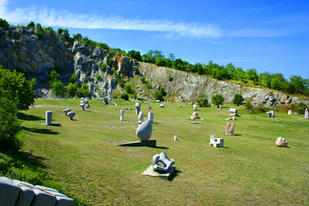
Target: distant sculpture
{"points": [[281, 142], [138, 107], [290, 112], [216, 142], [105, 100], [194, 107], [271, 114], [195, 116], [66, 111], [161, 105], [229, 129], [140, 117], [306, 114], [167, 163], [150, 116], [121, 114], [144, 130], [82, 104], [48, 117], [176, 138], [149, 108], [71, 115], [87, 102]]}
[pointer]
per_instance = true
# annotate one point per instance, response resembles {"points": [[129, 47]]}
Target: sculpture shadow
{"points": [[28, 117], [158, 147], [174, 174], [40, 131], [237, 135]]}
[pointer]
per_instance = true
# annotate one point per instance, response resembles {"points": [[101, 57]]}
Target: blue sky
{"points": [[268, 35]]}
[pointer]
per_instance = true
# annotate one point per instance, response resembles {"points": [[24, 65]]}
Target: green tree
{"points": [[217, 100], [298, 82], [84, 91], [72, 89], [124, 96], [73, 78], [3, 23], [58, 88], [265, 80], [238, 99], [135, 55], [31, 24], [202, 100], [9, 126], [77, 37], [53, 77], [66, 34], [129, 89], [16, 88]]}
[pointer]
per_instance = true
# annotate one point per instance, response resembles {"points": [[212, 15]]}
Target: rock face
{"points": [[36, 55]]}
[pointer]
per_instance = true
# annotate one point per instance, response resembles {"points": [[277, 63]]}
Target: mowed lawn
{"points": [[83, 156]]}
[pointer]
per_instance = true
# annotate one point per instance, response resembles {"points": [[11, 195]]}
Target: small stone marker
{"points": [[306, 114], [138, 107], [195, 116], [157, 170], [220, 106], [71, 115], [216, 142], [121, 114], [161, 105], [176, 138], [290, 112], [82, 104], [271, 114], [140, 117], [150, 116], [66, 111], [48, 117], [194, 107], [229, 129], [149, 108], [281, 142], [105, 100]]}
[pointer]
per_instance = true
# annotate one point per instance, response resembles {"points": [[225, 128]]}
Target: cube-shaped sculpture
{"points": [[216, 142]]}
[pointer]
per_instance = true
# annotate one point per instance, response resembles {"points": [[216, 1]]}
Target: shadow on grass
{"points": [[158, 147], [29, 159], [28, 117], [173, 175], [237, 134], [41, 131]]}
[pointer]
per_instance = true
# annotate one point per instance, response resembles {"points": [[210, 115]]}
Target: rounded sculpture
{"points": [[137, 104], [281, 142], [194, 116], [144, 130], [71, 115]]}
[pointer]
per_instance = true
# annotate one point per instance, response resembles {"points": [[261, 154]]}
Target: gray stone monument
{"points": [[140, 117], [87, 102], [161, 105], [71, 115], [48, 117], [161, 166], [194, 107], [150, 116], [306, 114], [138, 107], [144, 130], [121, 114], [229, 129], [195, 116], [149, 108], [82, 104], [66, 111], [105, 100], [271, 114]]}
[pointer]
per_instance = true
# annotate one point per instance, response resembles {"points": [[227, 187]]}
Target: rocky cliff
{"points": [[37, 53]]}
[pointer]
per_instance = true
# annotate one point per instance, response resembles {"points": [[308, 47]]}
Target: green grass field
{"points": [[84, 158]]}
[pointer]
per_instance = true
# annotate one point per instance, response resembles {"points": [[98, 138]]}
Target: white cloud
{"points": [[52, 17]]}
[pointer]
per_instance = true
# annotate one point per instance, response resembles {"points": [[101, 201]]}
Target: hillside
{"points": [[36, 53]]}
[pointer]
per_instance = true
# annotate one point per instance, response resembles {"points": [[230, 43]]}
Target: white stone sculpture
{"points": [[290, 112], [150, 116], [122, 114], [271, 114], [195, 116], [167, 163], [82, 104], [144, 130], [281, 142], [71, 115], [66, 111], [306, 114], [140, 117], [138, 107], [161, 105], [216, 142], [48, 117], [194, 107], [176, 138], [229, 128]]}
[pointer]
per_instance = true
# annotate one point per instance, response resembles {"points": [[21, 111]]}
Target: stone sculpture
{"points": [[229, 129], [149, 108], [14, 192], [71, 115], [161, 105], [48, 117], [82, 104], [306, 114], [150, 116], [176, 138], [194, 107], [105, 100], [121, 114], [144, 130], [66, 111], [138, 107], [216, 142], [271, 114], [281, 142], [195, 116], [140, 117], [167, 163], [290, 112]]}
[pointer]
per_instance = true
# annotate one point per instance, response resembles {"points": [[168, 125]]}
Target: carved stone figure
{"points": [[195, 116], [281, 142], [167, 163], [144, 130], [216, 142]]}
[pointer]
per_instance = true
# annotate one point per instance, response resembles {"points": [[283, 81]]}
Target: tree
{"points": [[72, 89], [124, 96], [135, 55], [217, 100], [129, 89], [9, 126], [66, 34], [298, 82], [3, 23], [16, 88], [77, 37], [31, 24], [202, 100], [84, 91], [58, 88], [238, 99]]}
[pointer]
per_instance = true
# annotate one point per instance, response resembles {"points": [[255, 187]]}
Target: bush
{"points": [[217, 99], [58, 88], [129, 89], [9, 126], [16, 88], [103, 67], [72, 89], [110, 61], [77, 37], [135, 55], [249, 106], [202, 100], [73, 78], [160, 94], [99, 77], [53, 77], [3, 23], [238, 100], [124, 96], [143, 80], [84, 91], [170, 78], [300, 108]]}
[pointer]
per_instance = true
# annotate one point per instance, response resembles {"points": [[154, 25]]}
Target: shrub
{"points": [[84, 91], [71, 89], [77, 37], [3, 23], [143, 80], [300, 108], [9, 126], [129, 89], [91, 79], [158, 96], [136, 71], [110, 61], [39, 34], [249, 106], [16, 88], [103, 67], [217, 99], [202, 100], [73, 78], [135, 55], [99, 77], [53, 77], [124, 96], [238, 100], [120, 81], [58, 88]]}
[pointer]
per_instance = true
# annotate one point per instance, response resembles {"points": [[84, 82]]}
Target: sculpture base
{"points": [[148, 143], [52, 124], [150, 172]]}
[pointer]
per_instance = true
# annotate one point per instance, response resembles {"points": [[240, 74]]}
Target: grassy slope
{"points": [[83, 156]]}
